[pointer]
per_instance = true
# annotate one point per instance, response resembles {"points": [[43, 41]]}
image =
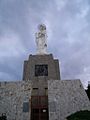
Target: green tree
{"points": [[81, 115], [88, 91]]}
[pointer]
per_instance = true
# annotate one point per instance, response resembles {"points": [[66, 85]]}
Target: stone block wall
{"points": [[53, 67], [66, 97], [15, 100]]}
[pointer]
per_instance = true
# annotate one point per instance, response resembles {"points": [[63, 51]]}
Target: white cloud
{"points": [[60, 4], [87, 69], [84, 12], [83, 8], [84, 79], [10, 45], [6, 76]]}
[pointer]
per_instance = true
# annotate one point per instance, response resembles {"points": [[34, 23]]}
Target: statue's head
{"points": [[42, 27]]}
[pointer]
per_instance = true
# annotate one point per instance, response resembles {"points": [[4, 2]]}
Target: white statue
{"points": [[41, 37]]}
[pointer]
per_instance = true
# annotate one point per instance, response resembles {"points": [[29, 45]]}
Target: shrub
{"points": [[81, 115]]}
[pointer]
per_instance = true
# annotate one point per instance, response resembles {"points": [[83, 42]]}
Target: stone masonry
{"points": [[66, 97], [53, 67], [15, 100]]}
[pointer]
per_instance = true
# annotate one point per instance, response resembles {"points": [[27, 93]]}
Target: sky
{"points": [[68, 30]]}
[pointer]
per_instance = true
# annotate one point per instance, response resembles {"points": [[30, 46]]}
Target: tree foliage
{"points": [[88, 92], [81, 115]]}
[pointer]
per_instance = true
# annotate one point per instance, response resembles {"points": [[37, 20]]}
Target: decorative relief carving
{"points": [[41, 70]]}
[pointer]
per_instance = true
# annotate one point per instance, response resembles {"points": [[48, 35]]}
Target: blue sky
{"points": [[68, 29]]}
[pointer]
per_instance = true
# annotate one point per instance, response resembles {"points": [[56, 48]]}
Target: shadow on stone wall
{"points": [[3, 117]]}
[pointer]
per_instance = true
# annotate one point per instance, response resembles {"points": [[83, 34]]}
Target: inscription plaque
{"points": [[26, 107]]}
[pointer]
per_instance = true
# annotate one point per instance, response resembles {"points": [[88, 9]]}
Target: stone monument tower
{"points": [[39, 69], [42, 65], [42, 95], [50, 95]]}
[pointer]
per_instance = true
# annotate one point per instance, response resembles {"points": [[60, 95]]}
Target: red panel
{"points": [[39, 108]]}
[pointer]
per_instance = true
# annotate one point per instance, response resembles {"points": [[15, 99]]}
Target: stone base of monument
{"points": [[66, 97]]}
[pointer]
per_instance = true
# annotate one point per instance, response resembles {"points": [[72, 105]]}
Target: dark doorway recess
{"points": [[39, 108]]}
